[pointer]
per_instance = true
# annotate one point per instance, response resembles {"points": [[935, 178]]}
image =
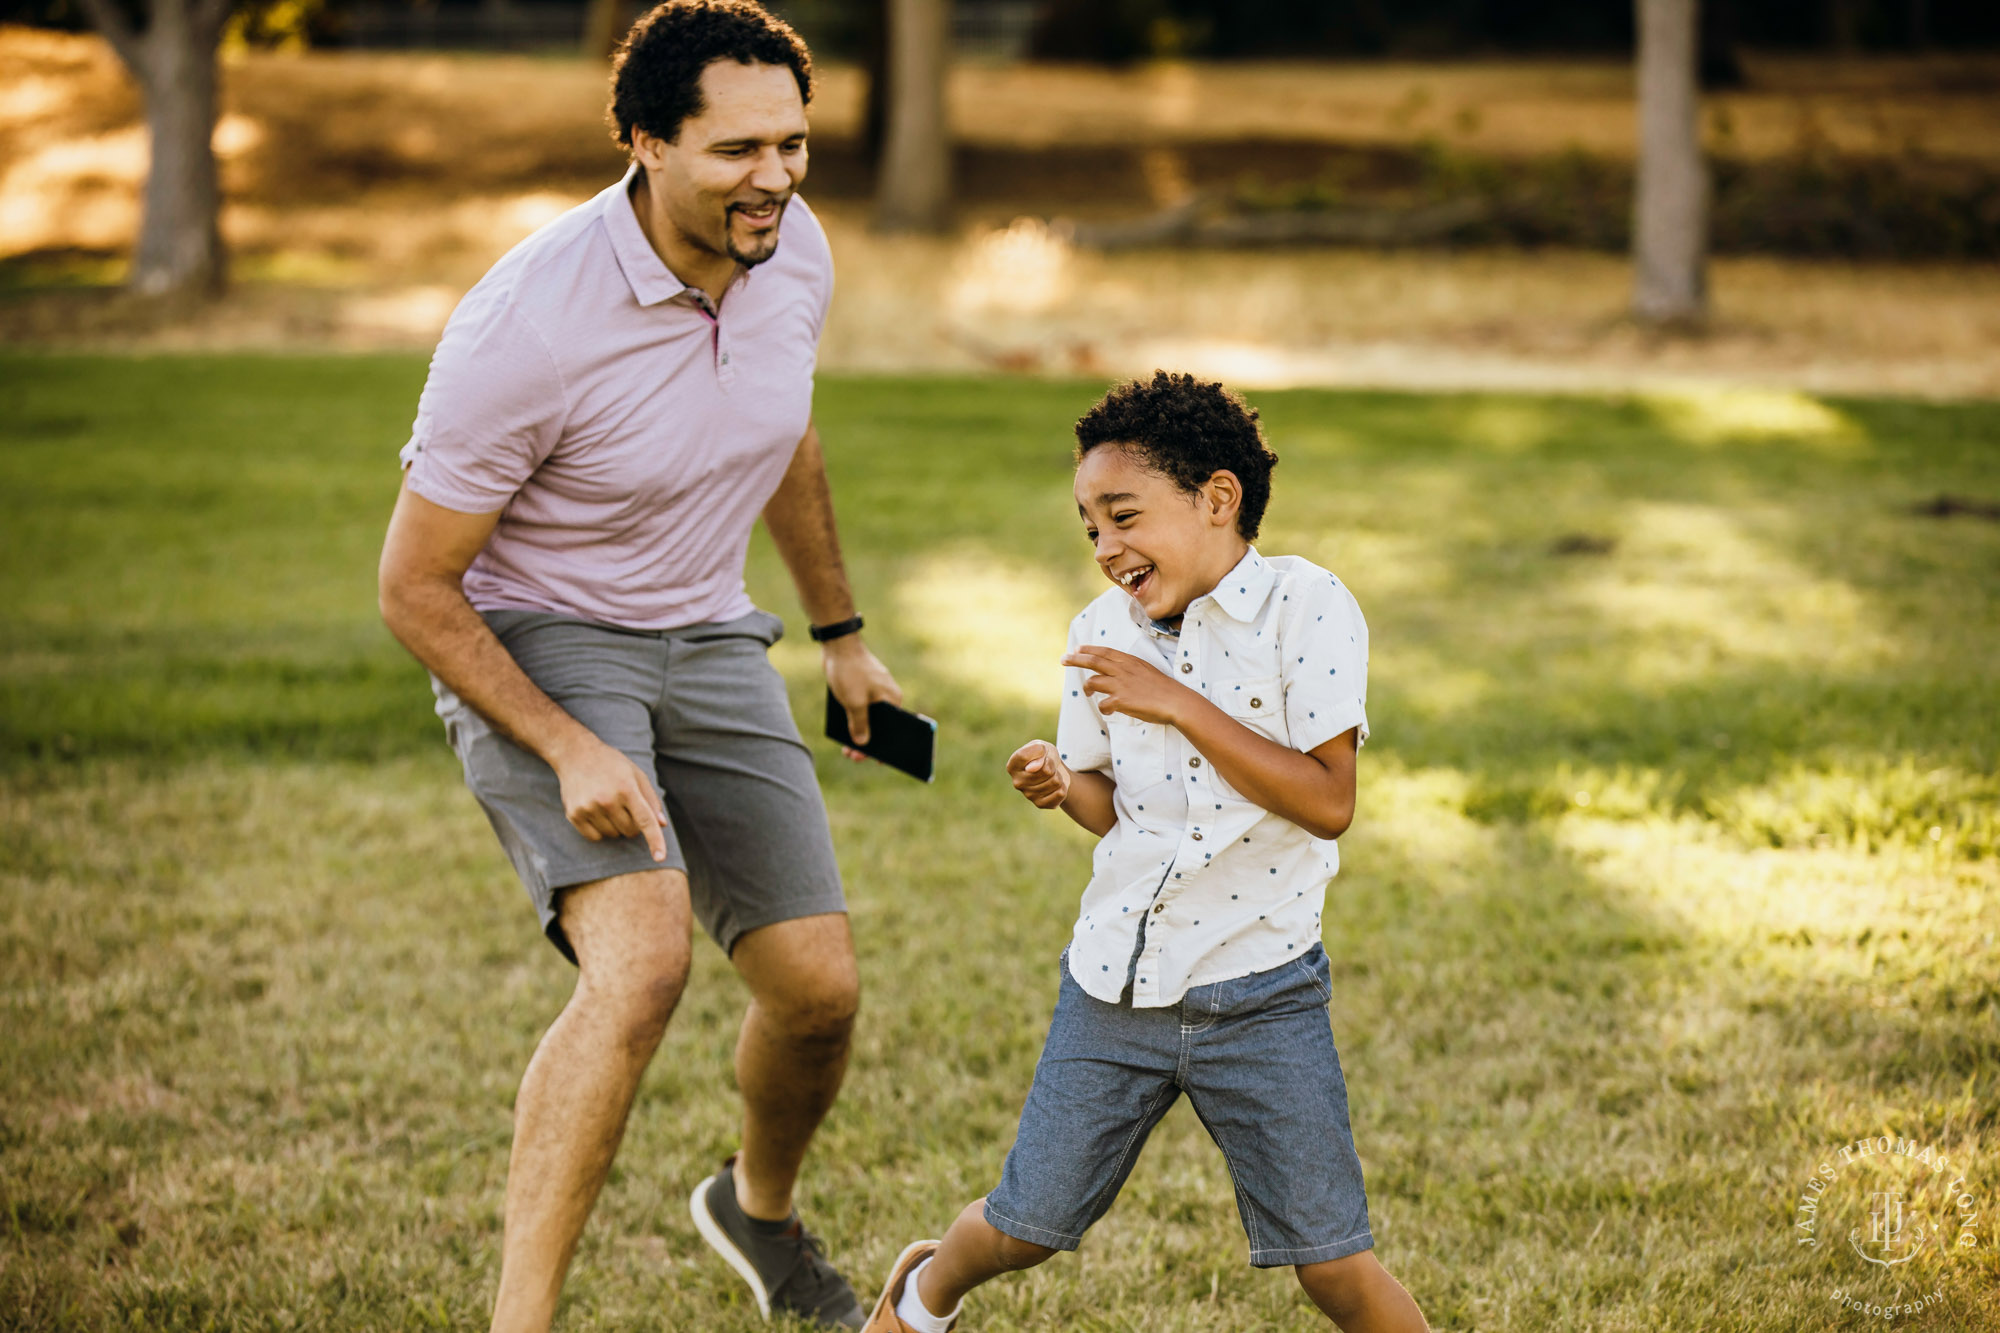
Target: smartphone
{"points": [[903, 740]]}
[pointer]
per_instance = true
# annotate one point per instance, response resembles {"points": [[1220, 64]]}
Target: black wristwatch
{"points": [[840, 629]]}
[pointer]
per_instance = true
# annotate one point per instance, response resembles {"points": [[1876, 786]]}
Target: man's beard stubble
{"points": [[747, 259]]}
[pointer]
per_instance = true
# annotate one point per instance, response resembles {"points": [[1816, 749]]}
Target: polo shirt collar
{"points": [[652, 282], [1241, 594]]}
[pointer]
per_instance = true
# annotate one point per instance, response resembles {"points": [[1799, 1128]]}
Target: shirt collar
{"points": [[652, 282], [1241, 594], [1244, 589], [650, 279]]}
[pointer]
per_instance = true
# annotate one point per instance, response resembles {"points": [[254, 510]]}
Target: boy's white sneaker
{"points": [[884, 1318]]}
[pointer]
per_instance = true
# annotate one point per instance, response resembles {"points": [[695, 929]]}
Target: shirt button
{"points": [[1195, 762], [1254, 703], [1159, 908], [1186, 667], [1195, 836]]}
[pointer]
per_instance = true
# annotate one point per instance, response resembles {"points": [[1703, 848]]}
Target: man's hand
{"points": [[1040, 774], [858, 679], [1132, 686], [606, 795]]}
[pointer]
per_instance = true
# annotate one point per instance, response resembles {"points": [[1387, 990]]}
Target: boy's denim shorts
{"points": [[1255, 1056]]}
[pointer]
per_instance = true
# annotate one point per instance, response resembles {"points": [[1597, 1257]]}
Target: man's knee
{"points": [[818, 1015], [637, 996], [804, 977], [632, 936]]}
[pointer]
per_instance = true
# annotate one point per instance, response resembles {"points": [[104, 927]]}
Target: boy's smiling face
{"points": [[1163, 545]]}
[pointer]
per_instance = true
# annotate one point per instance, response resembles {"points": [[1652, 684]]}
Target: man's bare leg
{"points": [[792, 1052], [631, 934]]}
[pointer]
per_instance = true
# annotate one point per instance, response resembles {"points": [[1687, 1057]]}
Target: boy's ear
{"points": [[1224, 495]]}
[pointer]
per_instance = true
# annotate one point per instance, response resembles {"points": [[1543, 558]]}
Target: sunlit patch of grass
{"points": [[1871, 806], [1735, 415], [1640, 914], [953, 600], [1700, 588]]}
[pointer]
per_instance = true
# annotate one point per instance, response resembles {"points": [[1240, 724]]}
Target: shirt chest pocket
{"points": [[1259, 704]]}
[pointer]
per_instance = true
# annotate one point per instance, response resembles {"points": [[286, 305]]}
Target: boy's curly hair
{"points": [[656, 74], [1186, 430]]}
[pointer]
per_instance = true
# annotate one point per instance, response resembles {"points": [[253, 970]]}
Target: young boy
{"points": [[1211, 713]]}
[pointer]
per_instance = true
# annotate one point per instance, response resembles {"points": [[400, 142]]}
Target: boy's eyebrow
{"points": [[1111, 498]]}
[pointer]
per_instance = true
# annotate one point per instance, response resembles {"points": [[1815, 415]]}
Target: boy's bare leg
{"points": [[631, 934], [973, 1251], [792, 1052], [1358, 1294]]}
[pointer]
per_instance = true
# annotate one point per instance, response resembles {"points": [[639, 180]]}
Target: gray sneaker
{"points": [[785, 1266]]}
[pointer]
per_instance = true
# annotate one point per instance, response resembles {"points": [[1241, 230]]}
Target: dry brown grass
{"points": [[366, 191]]}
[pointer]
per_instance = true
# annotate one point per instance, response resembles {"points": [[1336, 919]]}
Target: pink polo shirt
{"points": [[628, 434]]}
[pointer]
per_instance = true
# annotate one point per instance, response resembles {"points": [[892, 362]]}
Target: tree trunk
{"points": [[913, 190], [180, 240], [875, 61], [1670, 209], [602, 30]]}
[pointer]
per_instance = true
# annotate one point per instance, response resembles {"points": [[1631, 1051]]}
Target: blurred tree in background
{"points": [[913, 191], [1670, 201], [169, 46], [1123, 30]]}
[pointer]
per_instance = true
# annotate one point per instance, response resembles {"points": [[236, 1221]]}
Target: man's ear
{"points": [[649, 150], [1224, 496]]}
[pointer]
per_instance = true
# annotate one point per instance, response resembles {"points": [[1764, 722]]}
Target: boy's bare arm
{"points": [[1314, 789], [1040, 775]]}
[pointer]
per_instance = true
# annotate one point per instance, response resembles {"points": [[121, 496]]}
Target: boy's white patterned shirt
{"points": [[1222, 886]]}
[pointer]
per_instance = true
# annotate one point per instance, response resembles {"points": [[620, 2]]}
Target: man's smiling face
{"points": [[723, 182], [1160, 543]]}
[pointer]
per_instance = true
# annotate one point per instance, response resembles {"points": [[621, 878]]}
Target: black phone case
{"points": [[905, 741]]}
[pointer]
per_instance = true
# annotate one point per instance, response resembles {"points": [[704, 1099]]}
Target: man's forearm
{"points": [[799, 517], [433, 620]]}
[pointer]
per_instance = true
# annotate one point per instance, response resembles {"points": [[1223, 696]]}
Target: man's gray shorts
{"points": [[703, 713]]}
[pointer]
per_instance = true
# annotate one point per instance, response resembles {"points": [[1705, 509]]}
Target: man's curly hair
{"points": [[1186, 430], [656, 74]]}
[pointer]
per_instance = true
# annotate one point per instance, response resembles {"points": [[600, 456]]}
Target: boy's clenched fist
{"points": [[1040, 774]]}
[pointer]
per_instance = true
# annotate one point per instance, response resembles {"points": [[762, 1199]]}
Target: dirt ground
{"points": [[366, 191]]}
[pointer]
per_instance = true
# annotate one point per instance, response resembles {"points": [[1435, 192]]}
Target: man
{"points": [[607, 414]]}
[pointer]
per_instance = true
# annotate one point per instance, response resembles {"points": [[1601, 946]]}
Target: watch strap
{"points": [[840, 629]]}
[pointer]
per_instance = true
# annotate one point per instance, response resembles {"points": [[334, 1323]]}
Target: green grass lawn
{"points": [[1677, 866]]}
